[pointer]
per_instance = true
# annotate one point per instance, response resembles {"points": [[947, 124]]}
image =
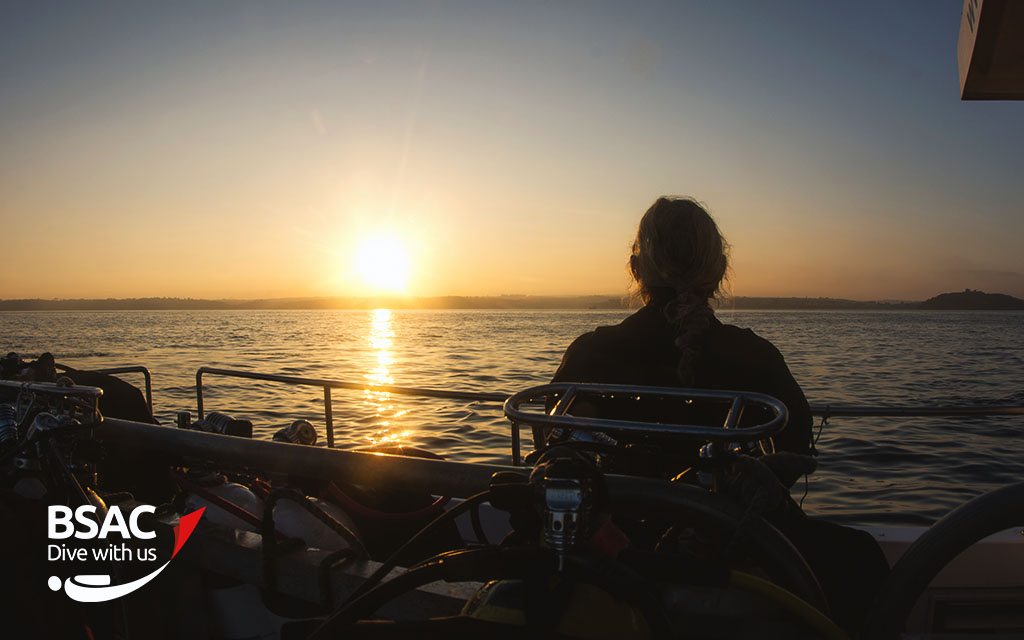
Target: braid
{"points": [[679, 260], [690, 315]]}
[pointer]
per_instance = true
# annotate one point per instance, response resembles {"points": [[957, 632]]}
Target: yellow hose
{"points": [[791, 603]]}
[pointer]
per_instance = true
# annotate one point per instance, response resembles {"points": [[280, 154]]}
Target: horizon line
{"points": [[498, 302], [409, 298]]}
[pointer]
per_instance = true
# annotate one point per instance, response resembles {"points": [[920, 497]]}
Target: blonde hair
{"points": [[678, 247], [680, 259]]}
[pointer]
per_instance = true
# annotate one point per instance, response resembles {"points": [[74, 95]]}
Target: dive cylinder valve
{"points": [[566, 486], [563, 502]]}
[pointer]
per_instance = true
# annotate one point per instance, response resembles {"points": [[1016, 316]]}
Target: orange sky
{"points": [[248, 152]]}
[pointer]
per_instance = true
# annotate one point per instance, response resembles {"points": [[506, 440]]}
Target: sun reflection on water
{"points": [[380, 403]]}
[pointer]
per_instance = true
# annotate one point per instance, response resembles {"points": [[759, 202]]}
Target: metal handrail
{"points": [[53, 388], [135, 369], [824, 411], [327, 385], [569, 391]]}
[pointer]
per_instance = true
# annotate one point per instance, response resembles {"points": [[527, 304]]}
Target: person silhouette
{"points": [[678, 263]]}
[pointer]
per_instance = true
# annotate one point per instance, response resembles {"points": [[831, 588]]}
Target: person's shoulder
{"points": [[597, 340], [733, 332], [587, 341], [591, 354], [578, 358], [640, 328]]}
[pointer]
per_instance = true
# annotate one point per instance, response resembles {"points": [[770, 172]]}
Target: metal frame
{"points": [[80, 396], [568, 392], [54, 389], [135, 369], [632, 495], [709, 433], [327, 385]]}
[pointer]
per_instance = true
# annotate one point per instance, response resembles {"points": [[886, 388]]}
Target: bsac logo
{"points": [[97, 588]]}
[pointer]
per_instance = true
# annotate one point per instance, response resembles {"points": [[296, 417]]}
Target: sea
{"points": [[872, 471]]}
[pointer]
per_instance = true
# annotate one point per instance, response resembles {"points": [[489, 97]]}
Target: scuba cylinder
{"points": [[298, 432], [234, 493], [293, 521], [217, 422], [8, 426]]}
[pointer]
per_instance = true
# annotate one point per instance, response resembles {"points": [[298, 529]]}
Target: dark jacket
{"points": [[641, 351]]}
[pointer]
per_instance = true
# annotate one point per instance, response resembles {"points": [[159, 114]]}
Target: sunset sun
{"points": [[382, 262]]}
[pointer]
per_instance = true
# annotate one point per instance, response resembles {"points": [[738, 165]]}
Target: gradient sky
{"points": [[248, 149]]}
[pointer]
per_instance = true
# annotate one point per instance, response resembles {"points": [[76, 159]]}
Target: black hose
{"points": [[269, 533], [478, 527], [677, 502], [503, 563], [385, 568], [673, 502], [324, 574], [437, 568], [913, 572]]}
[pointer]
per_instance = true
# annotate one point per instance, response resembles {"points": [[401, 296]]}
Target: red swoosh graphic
{"points": [[184, 528]]}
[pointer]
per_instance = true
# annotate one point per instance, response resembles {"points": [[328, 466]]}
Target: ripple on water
{"points": [[878, 470]]}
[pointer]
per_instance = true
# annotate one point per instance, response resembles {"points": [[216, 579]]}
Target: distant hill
{"points": [[965, 300], [799, 304], [382, 302], [973, 300], [606, 302]]}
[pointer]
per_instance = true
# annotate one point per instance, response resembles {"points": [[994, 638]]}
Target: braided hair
{"points": [[679, 260]]}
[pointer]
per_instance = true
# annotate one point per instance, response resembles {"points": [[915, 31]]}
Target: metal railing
{"points": [[69, 397], [327, 385], [567, 392], [135, 369], [824, 411]]}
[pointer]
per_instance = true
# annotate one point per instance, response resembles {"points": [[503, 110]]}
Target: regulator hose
{"points": [[987, 514], [681, 502], [385, 568], [356, 508], [810, 616], [502, 563], [346, 534]]}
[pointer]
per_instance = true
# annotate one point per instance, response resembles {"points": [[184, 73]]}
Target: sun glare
{"points": [[383, 263]]}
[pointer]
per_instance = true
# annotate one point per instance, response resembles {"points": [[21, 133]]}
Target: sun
{"points": [[383, 263]]}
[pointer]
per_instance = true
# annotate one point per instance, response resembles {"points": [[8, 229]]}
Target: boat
{"points": [[400, 543], [277, 539]]}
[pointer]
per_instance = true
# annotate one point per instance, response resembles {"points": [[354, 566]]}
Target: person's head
{"points": [[678, 250]]}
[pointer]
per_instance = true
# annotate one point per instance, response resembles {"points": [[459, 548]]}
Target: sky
{"points": [[264, 150]]}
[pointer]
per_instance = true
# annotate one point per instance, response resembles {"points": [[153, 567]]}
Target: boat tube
{"points": [[281, 520]]}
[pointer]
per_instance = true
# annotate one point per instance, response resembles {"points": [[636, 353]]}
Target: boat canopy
{"points": [[990, 50]]}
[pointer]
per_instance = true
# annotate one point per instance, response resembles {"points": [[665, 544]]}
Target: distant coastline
{"points": [[967, 299]]}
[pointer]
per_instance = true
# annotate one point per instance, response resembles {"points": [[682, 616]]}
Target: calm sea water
{"points": [[871, 470]]}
